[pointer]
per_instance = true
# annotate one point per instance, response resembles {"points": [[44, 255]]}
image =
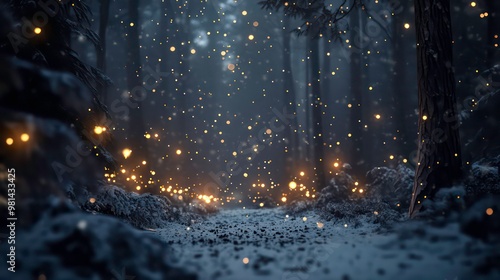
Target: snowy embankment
{"points": [[268, 244]]}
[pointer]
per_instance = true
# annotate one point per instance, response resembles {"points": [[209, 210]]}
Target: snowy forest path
{"points": [[268, 244]]}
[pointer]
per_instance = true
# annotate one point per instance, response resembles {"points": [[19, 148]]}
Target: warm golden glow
{"points": [[251, 37], [489, 211], [246, 260], [25, 137], [37, 30], [99, 130], [292, 185], [283, 199], [407, 26], [126, 153], [9, 141], [178, 152]]}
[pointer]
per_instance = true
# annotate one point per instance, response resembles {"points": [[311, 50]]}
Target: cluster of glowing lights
{"points": [[25, 137], [207, 198], [99, 130]]}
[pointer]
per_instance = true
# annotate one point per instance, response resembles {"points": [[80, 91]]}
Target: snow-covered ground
{"points": [[267, 244]]}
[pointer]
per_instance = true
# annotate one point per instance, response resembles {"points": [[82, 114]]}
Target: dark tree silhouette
{"points": [[138, 93], [317, 113], [400, 82], [356, 115], [291, 106], [101, 48], [439, 154]]}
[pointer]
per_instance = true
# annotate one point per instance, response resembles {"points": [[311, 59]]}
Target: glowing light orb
{"points": [[9, 141], [99, 130], [37, 30], [25, 137], [246, 260], [302, 173], [283, 199], [178, 152], [251, 37], [489, 211], [407, 26], [126, 153], [292, 185]]}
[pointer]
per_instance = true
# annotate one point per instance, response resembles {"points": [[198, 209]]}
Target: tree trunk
{"points": [[439, 158], [317, 114], [400, 84], [291, 106], [138, 93], [101, 48], [356, 129]]}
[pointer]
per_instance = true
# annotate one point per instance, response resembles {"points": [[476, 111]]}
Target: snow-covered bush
{"points": [[339, 189], [69, 244], [484, 178], [383, 199], [144, 210], [393, 186]]}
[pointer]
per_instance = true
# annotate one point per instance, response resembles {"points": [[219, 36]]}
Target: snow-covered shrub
{"points": [[445, 202], [383, 199], [144, 210], [484, 178], [339, 189], [69, 244], [299, 206], [393, 186]]}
